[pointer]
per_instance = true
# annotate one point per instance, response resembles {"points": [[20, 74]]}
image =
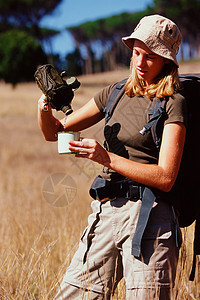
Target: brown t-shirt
{"points": [[122, 134]]}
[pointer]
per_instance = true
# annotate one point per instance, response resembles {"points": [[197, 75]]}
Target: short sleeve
{"points": [[176, 109], [101, 97]]}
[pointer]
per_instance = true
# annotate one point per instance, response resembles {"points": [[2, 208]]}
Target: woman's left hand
{"points": [[91, 149]]}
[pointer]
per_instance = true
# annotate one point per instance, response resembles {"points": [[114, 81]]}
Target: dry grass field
{"points": [[40, 227]]}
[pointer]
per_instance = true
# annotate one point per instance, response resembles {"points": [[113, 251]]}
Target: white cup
{"points": [[63, 141]]}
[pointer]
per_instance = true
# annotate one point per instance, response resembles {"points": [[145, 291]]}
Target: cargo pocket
{"points": [[160, 253], [158, 261], [156, 236]]}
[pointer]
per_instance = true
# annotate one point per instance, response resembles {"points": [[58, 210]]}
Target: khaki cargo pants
{"points": [[104, 254]]}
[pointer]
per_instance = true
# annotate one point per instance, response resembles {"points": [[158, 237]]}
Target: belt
{"points": [[129, 190]]}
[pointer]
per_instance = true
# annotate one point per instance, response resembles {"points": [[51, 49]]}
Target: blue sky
{"points": [[75, 12]]}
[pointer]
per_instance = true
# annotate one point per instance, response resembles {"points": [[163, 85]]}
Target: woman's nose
{"points": [[140, 61]]}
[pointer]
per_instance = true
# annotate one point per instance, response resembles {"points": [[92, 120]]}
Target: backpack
{"points": [[184, 195]]}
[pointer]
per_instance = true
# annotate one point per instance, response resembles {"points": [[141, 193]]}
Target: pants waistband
{"points": [[131, 191]]}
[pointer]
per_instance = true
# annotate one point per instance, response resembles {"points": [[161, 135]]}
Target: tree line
{"points": [[98, 45], [99, 42], [21, 37]]}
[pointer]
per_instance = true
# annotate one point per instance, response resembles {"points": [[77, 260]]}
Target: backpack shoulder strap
{"points": [[157, 116], [113, 98]]}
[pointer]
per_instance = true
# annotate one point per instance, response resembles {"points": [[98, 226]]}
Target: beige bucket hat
{"points": [[159, 34]]}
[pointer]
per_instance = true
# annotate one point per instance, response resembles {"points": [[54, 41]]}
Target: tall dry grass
{"points": [[38, 238]]}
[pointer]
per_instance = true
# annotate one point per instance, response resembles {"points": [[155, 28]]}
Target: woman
{"points": [[105, 252]]}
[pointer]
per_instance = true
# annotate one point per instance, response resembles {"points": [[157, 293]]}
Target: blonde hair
{"points": [[164, 85]]}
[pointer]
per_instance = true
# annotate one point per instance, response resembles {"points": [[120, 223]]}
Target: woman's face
{"points": [[148, 65]]}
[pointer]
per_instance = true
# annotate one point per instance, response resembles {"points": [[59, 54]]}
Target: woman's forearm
{"points": [[161, 176], [81, 119], [48, 124], [155, 176], [147, 174]]}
